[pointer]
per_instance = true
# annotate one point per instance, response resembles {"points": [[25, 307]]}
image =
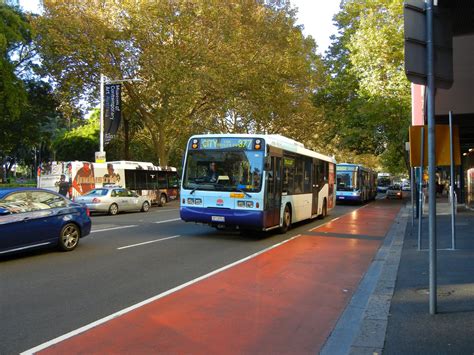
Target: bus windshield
{"points": [[224, 170], [346, 180], [384, 181]]}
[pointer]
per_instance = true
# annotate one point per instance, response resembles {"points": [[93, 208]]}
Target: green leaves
{"points": [[367, 96], [207, 66], [14, 32], [81, 143]]}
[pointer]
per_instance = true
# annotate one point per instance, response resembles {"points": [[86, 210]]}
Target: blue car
{"points": [[32, 218]]}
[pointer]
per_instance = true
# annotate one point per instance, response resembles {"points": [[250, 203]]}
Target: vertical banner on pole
{"points": [[112, 110]]}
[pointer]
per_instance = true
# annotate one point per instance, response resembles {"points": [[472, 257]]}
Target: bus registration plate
{"points": [[218, 218]]}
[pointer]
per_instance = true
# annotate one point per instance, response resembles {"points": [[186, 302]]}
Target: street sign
{"points": [[100, 157], [415, 44]]}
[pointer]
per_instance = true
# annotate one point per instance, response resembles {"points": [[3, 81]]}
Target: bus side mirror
{"points": [[268, 164]]}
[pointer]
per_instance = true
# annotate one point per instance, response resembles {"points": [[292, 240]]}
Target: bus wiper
{"points": [[244, 192], [197, 185]]}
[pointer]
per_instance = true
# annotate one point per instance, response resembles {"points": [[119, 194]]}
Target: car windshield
{"points": [[97, 192], [224, 170]]}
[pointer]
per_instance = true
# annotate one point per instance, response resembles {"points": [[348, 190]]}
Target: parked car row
{"points": [[32, 218]]}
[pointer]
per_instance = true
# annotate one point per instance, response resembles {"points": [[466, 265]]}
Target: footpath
{"points": [[392, 316]]}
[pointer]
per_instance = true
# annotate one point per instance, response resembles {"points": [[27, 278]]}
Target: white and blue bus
{"points": [[355, 182], [254, 182]]}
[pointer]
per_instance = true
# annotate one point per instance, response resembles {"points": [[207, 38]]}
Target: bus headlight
{"points": [[190, 201], [245, 204], [198, 201]]}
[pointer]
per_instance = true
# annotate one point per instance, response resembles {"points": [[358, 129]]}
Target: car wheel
{"points": [[113, 209], [286, 220], [145, 206], [69, 237], [163, 200]]}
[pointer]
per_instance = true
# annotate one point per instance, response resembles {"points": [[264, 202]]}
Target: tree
{"points": [[19, 128], [366, 96], [207, 66], [376, 51], [14, 34], [80, 143]]}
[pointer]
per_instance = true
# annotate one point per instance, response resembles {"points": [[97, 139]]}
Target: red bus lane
{"points": [[286, 300]]}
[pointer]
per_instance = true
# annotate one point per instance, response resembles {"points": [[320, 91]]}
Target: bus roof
{"points": [[274, 140]]}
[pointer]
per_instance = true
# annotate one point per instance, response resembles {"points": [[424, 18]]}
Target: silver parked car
{"points": [[114, 199]]}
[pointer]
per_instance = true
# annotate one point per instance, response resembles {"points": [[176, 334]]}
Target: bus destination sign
{"points": [[345, 168], [224, 143]]}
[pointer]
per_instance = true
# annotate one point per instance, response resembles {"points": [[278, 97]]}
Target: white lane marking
{"points": [[145, 302], [150, 241], [166, 210], [168, 220], [113, 228]]}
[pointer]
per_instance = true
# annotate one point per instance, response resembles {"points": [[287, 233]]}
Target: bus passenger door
{"points": [[316, 187], [273, 193], [278, 187]]}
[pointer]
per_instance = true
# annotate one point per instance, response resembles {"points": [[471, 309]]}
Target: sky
{"points": [[315, 15]]}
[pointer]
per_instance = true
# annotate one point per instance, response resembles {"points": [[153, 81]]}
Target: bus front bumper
{"points": [[226, 217], [348, 198]]}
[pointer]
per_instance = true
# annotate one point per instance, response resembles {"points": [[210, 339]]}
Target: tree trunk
{"points": [[159, 146]]}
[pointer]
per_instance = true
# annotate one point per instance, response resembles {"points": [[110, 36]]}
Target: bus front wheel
{"points": [[286, 220]]}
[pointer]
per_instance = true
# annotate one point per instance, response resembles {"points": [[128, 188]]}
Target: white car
{"points": [[113, 200]]}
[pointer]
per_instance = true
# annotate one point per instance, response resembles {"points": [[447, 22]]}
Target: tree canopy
{"points": [[206, 66], [367, 97], [27, 105], [14, 33], [203, 66]]}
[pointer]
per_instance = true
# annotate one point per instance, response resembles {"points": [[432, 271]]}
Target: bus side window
{"points": [[307, 176], [162, 181], [288, 174], [173, 179]]}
